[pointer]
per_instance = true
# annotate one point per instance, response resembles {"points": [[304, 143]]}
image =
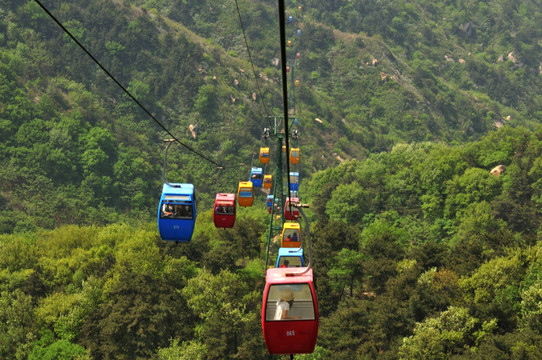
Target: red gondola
{"points": [[291, 212], [224, 210], [289, 311]]}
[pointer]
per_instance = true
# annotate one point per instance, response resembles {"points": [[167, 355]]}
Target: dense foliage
{"points": [[430, 256], [404, 108], [372, 75]]}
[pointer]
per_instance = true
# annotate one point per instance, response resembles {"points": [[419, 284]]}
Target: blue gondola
{"points": [[294, 181], [294, 258], [276, 205], [270, 199], [177, 212], [256, 176]]}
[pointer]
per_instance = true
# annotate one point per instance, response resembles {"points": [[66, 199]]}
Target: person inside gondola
{"points": [[294, 237], [184, 212], [167, 210], [288, 237], [284, 304], [188, 212], [285, 264]]}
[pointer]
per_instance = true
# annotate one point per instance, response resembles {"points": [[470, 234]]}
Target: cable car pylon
{"points": [[277, 183]]}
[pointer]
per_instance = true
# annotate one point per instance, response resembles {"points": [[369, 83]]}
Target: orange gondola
{"points": [[267, 181], [294, 155], [245, 193], [291, 235], [264, 155]]}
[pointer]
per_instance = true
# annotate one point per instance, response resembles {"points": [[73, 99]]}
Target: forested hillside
{"points": [[404, 108], [371, 75], [418, 253]]}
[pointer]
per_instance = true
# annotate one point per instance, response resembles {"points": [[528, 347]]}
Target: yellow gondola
{"points": [[291, 235], [264, 155], [294, 155], [245, 193], [268, 181]]}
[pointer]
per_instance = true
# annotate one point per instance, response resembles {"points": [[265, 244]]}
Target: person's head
{"points": [[286, 262], [287, 295]]}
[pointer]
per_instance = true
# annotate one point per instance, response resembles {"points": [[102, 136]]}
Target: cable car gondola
{"points": [[294, 181], [291, 212], [289, 257], [268, 181], [256, 176], [291, 235], [177, 212], [294, 155], [269, 203], [245, 193], [289, 311], [264, 155], [276, 205], [224, 210]]}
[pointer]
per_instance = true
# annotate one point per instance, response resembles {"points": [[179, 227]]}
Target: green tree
{"points": [[348, 203], [223, 304], [206, 103], [190, 350], [346, 329], [49, 348], [17, 325], [494, 289], [347, 271], [475, 185], [453, 332]]}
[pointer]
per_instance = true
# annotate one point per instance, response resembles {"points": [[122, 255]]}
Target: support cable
{"points": [[250, 57], [283, 61], [124, 89]]}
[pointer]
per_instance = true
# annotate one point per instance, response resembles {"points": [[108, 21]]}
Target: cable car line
{"points": [[169, 141], [282, 22], [308, 236], [250, 57], [125, 90]]}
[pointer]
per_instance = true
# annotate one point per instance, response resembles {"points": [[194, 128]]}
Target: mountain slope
{"points": [[371, 75]]}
